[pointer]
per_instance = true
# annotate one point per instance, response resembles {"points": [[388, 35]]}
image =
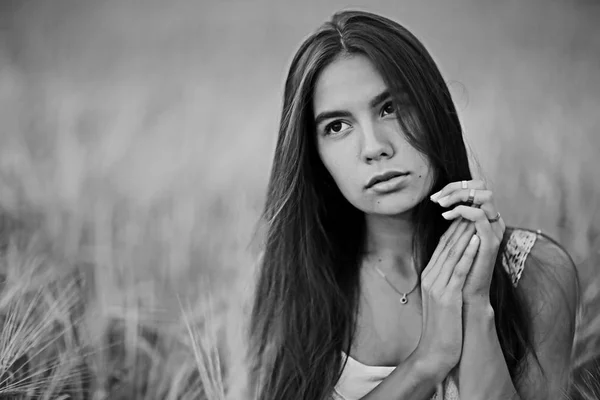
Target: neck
{"points": [[389, 243]]}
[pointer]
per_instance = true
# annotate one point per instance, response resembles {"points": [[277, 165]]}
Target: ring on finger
{"points": [[471, 198], [495, 219]]}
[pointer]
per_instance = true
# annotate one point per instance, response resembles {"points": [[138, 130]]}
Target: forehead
{"points": [[349, 81]]}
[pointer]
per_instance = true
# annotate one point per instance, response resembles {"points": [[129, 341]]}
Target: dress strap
{"points": [[518, 247]]}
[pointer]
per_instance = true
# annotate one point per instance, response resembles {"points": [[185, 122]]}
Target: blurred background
{"points": [[135, 148]]}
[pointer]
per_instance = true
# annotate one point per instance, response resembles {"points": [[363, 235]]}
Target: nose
{"points": [[376, 144]]}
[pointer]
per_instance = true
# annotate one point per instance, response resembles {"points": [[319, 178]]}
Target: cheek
{"points": [[336, 162], [340, 176], [425, 176], [341, 170]]}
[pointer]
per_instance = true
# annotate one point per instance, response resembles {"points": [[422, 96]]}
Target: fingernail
{"points": [[434, 196], [446, 214], [443, 200]]}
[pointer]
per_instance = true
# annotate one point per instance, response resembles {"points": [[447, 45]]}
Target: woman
{"points": [[387, 272]]}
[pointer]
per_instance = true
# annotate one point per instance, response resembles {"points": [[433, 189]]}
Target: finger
{"points": [[454, 255], [453, 186], [462, 269], [443, 239], [483, 198], [499, 227], [477, 215], [489, 242], [446, 236], [457, 227], [451, 252]]}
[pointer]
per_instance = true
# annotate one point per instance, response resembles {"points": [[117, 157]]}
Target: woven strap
{"points": [[517, 249]]}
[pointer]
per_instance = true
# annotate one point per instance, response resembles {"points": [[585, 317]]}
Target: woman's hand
{"points": [[489, 227], [442, 283]]}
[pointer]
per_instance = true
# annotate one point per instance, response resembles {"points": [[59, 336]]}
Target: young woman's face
{"points": [[359, 138]]}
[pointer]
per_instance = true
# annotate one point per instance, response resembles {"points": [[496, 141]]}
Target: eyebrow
{"points": [[340, 114]]}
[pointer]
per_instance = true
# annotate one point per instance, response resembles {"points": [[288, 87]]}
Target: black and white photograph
{"points": [[299, 200]]}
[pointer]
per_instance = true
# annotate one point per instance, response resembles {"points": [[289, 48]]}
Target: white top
{"points": [[358, 379]]}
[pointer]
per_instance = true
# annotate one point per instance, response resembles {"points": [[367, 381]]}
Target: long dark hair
{"points": [[306, 298]]}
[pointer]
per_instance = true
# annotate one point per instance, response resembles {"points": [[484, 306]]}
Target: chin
{"points": [[389, 211]]}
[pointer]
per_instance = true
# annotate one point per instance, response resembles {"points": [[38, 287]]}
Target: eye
{"points": [[388, 108], [335, 127]]}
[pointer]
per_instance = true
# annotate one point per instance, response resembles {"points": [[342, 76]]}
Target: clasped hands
{"points": [[489, 227]]}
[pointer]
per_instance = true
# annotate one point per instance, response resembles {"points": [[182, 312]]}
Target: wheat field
{"points": [[135, 149]]}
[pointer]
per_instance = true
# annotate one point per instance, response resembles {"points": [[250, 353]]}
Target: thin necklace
{"points": [[404, 298]]}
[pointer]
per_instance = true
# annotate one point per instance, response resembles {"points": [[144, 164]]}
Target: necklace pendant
{"points": [[403, 299]]}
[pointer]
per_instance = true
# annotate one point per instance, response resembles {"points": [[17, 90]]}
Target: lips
{"points": [[386, 176]]}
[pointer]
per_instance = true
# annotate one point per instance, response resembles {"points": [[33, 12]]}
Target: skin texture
{"points": [[477, 288], [366, 142]]}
